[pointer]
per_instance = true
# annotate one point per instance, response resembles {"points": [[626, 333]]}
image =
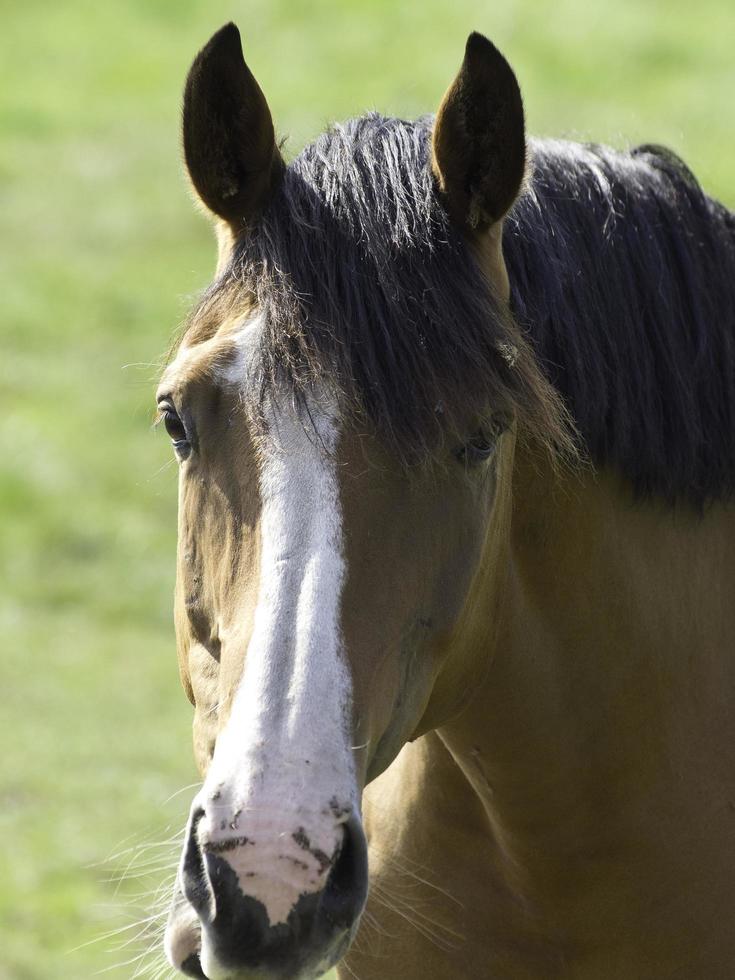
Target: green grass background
{"points": [[101, 253]]}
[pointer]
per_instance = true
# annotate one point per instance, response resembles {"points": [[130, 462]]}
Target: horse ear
{"points": [[479, 145], [229, 142]]}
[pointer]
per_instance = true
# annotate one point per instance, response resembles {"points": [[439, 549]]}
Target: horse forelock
{"points": [[367, 291], [623, 304]]}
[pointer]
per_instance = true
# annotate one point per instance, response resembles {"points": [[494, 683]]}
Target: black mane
{"points": [[623, 272], [623, 282], [363, 283]]}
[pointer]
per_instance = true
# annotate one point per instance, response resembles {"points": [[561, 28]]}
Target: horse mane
{"points": [[623, 273], [623, 284]]}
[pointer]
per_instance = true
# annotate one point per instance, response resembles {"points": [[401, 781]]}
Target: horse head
{"points": [[344, 405]]}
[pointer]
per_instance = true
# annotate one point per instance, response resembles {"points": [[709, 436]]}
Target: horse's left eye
{"points": [[477, 449]]}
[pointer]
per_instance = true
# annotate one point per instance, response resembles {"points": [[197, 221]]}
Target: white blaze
{"points": [[282, 778]]}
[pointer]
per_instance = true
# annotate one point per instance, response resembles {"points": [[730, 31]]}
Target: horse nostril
{"points": [[346, 888], [191, 967], [243, 934], [194, 879]]}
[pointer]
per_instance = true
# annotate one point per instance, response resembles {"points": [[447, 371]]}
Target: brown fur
{"points": [[542, 669], [229, 143], [574, 819], [479, 140]]}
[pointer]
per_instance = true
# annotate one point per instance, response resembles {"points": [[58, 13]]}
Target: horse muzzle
{"points": [[272, 899]]}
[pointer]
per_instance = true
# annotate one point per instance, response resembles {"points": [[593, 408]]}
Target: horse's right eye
{"points": [[174, 426], [176, 430]]}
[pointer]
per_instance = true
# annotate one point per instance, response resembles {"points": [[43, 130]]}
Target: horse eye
{"points": [[176, 430], [174, 426], [477, 449]]}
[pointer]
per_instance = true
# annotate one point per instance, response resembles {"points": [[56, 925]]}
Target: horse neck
{"points": [[598, 660]]}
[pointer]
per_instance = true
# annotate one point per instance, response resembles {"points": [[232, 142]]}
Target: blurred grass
{"points": [[101, 254]]}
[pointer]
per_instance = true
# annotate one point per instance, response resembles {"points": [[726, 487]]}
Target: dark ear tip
{"points": [[483, 60], [225, 41], [478, 48]]}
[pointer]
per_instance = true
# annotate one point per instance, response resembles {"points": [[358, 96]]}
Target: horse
{"points": [[456, 548]]}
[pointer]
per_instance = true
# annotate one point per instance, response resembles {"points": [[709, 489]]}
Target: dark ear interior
{"points": [[479, 145], [229, 142]]}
